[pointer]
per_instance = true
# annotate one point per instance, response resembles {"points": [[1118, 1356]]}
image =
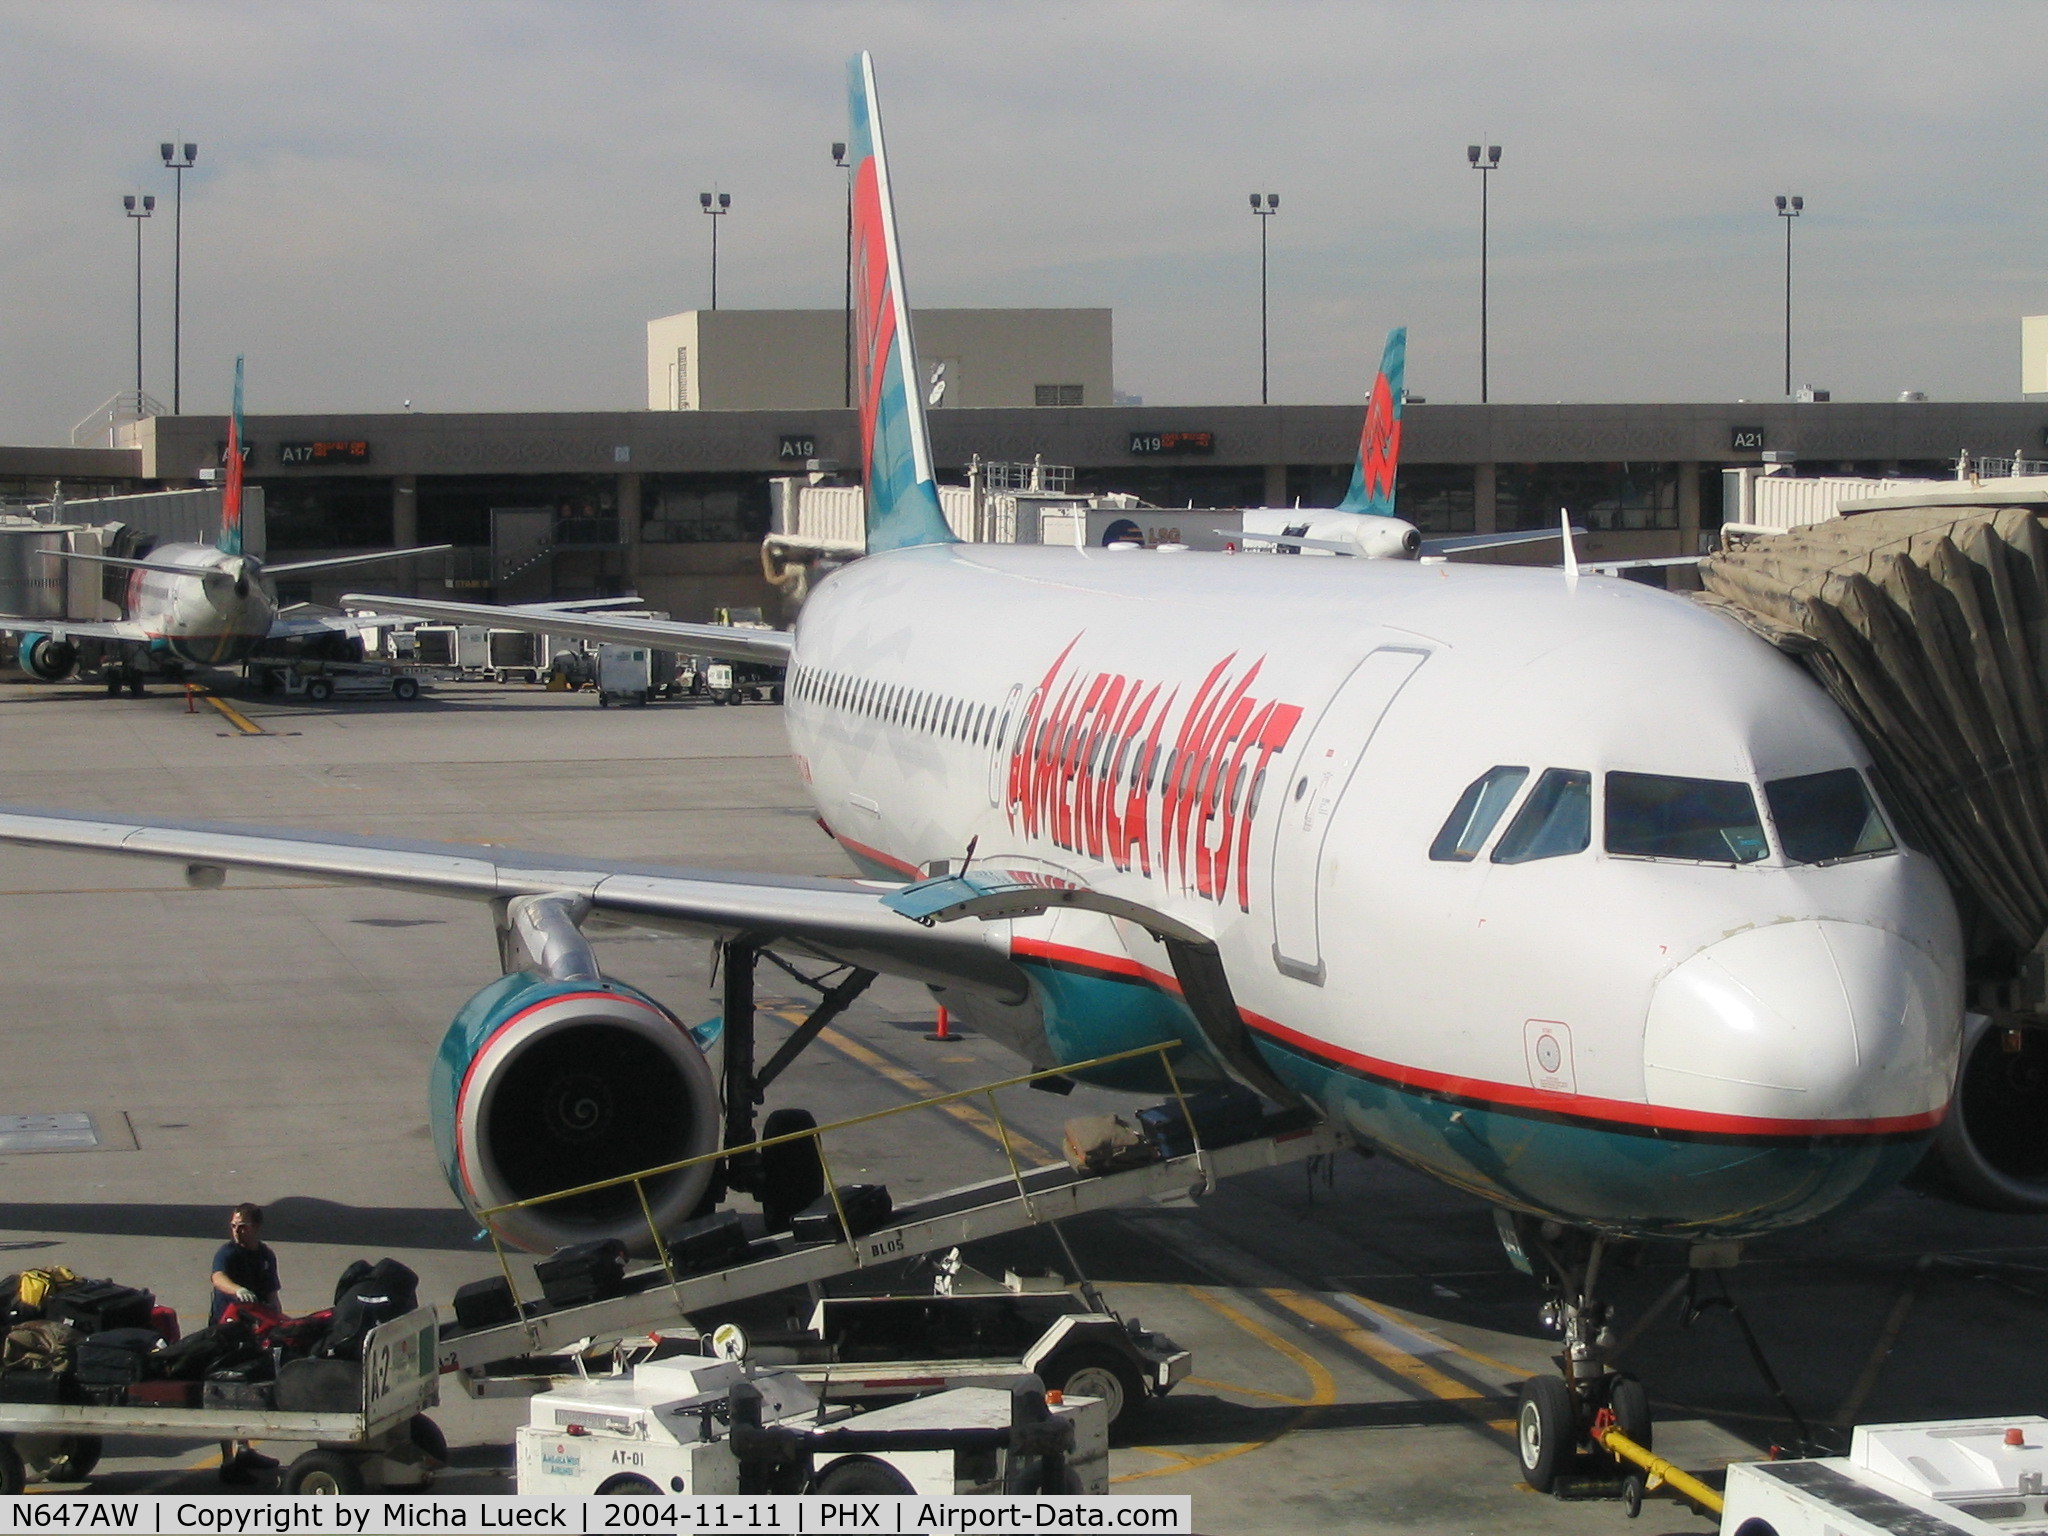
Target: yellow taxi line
{"points": [[235, 717], [1322, 1393], [1512, 1372], [1410, 1368]]}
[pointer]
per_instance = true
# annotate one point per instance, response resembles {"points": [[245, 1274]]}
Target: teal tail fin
{"points": [[230, 541], [1379, 445], [895, 448]]}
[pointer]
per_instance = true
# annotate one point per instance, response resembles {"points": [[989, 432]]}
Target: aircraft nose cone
{"points": [[1808, 1021]]}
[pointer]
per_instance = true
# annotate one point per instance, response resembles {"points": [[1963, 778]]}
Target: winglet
{"points": [[230, 541], [895, 449], [1571, 553], [1379, 445]]}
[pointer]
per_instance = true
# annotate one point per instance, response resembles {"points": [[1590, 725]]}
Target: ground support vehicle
{"points": [[691, 1425], [465, 648], [383, 1442], [318, 681], [974, 1331], [1971, 1477], [625, 674]]}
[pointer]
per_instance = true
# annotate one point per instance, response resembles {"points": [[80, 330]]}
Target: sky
{"points": [[479, 205]]}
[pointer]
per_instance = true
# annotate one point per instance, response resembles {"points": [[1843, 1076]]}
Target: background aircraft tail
{"points": [[895, 449], [1379, 445], [230, 540]]}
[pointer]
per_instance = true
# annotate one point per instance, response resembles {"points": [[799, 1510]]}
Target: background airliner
{"points": [[1573, 895], [185, 606]]}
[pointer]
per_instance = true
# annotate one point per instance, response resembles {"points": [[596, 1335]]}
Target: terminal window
{"points": [[1056, 394], [1605, 498], [1437, 498]]}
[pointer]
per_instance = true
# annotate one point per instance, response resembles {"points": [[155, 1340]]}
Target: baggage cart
{"points": [[318, 681], [516, 654], [625, 674], [385, 1441]]}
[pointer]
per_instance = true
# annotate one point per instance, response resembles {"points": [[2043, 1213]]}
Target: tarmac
{"points": [[1357, 1331]]}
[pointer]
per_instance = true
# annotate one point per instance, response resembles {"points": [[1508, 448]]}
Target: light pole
{"points": [[716, 205], [839, 159], [1271, 206], [179, 167], [1490, 163], [138, 209], [1788, 210]]}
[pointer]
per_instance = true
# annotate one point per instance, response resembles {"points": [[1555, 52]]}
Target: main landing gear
{"points": [[1560, 1418]]}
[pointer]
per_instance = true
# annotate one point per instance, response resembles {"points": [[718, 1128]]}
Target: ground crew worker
{"points": [[244, 1270]]}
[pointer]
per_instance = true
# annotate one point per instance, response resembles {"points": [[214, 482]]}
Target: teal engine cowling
{"points": [[543, 1085], [46, 656]]}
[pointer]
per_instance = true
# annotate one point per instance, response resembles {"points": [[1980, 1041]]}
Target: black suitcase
{"points": [[867, 1207], [99, 1306], [226, 1393], [1225, 1116], [384, 1290], [320, 1386], [24, 1385], [208, 1350], [115, 1357], [486, 1303], [583, 1272], [708, 1242]]}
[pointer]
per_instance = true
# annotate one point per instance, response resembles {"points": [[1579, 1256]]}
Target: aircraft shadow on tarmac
{"points": [[292, 1219]]}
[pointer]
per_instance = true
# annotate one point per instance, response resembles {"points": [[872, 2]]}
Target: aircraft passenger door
{"points": [[1322, 770]]}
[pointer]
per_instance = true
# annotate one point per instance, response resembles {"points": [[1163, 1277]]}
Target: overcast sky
{"points": [[478, 205]]}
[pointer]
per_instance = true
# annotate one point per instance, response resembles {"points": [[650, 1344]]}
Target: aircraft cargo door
{"points": [[1328, 760]]}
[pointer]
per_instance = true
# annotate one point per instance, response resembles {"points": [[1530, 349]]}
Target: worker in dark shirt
{"points": [[244, 1270]]}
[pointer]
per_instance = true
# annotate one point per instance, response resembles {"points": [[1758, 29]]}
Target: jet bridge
{"points": [[665, 1294]]}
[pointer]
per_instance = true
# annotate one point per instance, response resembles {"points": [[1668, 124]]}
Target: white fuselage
{"points": [[1367, 535], [1572, 1034], [213, 617]]}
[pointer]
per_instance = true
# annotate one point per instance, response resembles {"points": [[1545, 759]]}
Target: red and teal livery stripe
{"points": [[896, 459], [1379, 444]]}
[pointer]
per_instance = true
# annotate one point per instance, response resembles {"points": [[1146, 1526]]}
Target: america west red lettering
{"points": [[1090, 774]]}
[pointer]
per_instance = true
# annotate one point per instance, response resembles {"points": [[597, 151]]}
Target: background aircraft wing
{"points": [[292, 624], [735, 644], [1459, 543], [74, 629], [336, 562], [840, 920]]}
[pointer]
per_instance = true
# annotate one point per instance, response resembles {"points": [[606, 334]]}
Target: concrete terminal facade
{"points": [[673, 504]]}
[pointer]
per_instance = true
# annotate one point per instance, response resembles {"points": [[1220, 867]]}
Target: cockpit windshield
{"points": [[1555, 820], [1708, 821], [1822, 817], [1474, 817]]}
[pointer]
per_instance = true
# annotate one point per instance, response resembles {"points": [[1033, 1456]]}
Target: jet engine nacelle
{"points": [[1992, 1150], [46, 656], [543, 1085]]}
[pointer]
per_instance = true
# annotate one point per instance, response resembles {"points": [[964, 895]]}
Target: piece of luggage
{"points": [[33, 1288], [1225, 1116], [163, 1394], [297, 1337], [708, 1243], [27, 1384], [1098, 1144], [583, 1272], [164, 1323], [100, 1306], [208, 1350], [320, 1386], [41, 1344], [385, 1290], [486, 1303], [867, 1207], [218, 1392], [114, 1356]]}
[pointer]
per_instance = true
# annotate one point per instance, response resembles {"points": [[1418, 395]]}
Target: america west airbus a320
{"points": [[1572, 895]]}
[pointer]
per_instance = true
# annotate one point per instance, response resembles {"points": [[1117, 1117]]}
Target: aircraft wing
{"points": [[74, 629], [1603, 567], [1458, 544], [735, 644], [289, 625], [844, 921]]}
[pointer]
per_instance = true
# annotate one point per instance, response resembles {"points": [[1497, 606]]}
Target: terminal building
{"points": [[673, 501]]}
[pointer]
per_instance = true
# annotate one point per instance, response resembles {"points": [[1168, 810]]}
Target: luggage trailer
{"points": [[383, 1441], [547, 1343]]}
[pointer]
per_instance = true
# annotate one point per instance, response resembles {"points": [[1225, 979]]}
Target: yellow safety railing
{"points": [[818, 1133]]}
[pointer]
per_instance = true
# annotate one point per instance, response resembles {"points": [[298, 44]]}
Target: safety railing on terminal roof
{"points": [[818, 1134]]}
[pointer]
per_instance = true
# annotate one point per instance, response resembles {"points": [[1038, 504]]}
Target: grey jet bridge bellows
{"points": [[1924, 615]]}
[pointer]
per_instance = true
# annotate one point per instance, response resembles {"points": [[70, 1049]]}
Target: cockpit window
{"points": [[1709, 821], [1826, 816], [1473, 818], [1556, 819]]}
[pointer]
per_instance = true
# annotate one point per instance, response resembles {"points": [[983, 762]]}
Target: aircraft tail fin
{"points": [[895, 448], [1379, 445], [230, 540]]}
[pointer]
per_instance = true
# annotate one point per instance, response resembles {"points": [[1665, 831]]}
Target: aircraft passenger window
{"points": [[1474, 817], [1823, 817], [1656, 816], [1555, 820]]}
